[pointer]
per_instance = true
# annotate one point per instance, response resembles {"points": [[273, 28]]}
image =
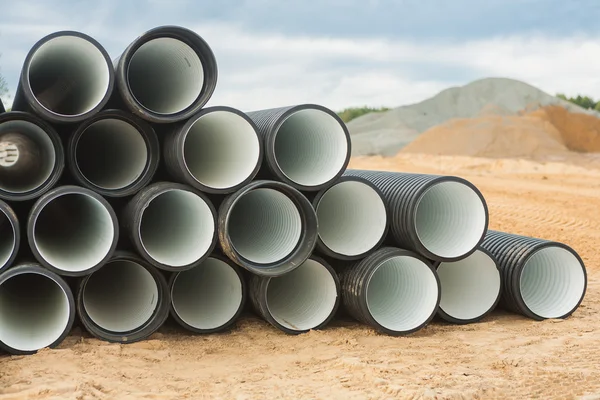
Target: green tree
{"points": [[349, 114], [582, 101]]}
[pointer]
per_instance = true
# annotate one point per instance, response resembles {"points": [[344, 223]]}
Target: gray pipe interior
{"points": [[121, 296], [221, 149], [7, 238], [34, 311], [27, 156], [73, 232], [69, 76], [165, 75], [207, 296], [111, 154], [264, 226]]}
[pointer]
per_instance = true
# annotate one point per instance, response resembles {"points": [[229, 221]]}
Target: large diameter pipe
{"points": [[353, 218], [37, 309], [10, 236], [267, 227], [124, 301], [172, 226], [395, 291], [166, 75], [114, 153], [31, 156], [72, 230], [471, 287], [541, 278], [210, 297], [216, 151], [66, 77], [303, 299], [443, 218], [306, 146]]}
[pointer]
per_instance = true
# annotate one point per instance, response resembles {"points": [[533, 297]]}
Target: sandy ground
{"points": [[505, 356]]}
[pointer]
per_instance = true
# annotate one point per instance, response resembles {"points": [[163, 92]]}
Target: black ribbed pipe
{"points": [[306, 146], [31, 156], [267, 227], [216, 151], [210, 297], [541, 278], [37, 309], [67, 77], [166, 75], [395, 291], [471, 287], [72, 230], [443, 218], [10, 236], [114, 153], [172, 226], [125, 301], [303, 299], [353, 218]]}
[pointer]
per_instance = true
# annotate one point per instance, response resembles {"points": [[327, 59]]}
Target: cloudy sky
{"points": [[341, 53]]}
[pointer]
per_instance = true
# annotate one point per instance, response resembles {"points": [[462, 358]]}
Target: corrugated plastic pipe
{"points": [[471, 287], [541, 279], [392, 290], [10, 235], [306, 146], [210, 297], [37, 309], [444, 218], [72, 230], [166, 75], [124, 301], [216, 151], [31, 156], [267, 227], [67, 77], [303, 299], [114, 153]]}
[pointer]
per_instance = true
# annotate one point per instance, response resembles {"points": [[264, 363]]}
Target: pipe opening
{"points": [[27, 156], [111, 154], [470, 287], [450, 219], [402, 293], [264, 226], [121, 296], [177, 228], [221, 149], [303, 298], [352, 218], [34, 311], [8, 239], [552, 282], [310, 147], [73, 232], [69, 76], [207, 296], [165, 75]]}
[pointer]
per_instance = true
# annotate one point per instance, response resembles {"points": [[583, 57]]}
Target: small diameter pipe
{"points": [[392, 290], [124, 301], [353, 218], [471, 287], [444, 218], [216, 151], [172, 226], [267, 227], [67, 77], [10, 236], [72, 230], [303, 299], [541, 279], [114, 153], [37, 309], [166, 75], [306, 146], [210, 297], [31, 156]]}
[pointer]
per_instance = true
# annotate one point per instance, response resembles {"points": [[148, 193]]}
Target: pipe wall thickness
{"points": [[10, 236]]}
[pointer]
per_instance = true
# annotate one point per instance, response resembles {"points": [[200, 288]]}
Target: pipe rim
{"points": [[11, 216]]}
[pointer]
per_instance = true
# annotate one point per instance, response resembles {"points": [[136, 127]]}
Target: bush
{"points": [[349, 114]]}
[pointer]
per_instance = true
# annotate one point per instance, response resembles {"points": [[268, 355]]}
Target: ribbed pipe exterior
{"points": [[13, 221]]}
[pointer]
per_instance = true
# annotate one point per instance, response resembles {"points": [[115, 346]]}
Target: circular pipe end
{"points": [[10, 236]]}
